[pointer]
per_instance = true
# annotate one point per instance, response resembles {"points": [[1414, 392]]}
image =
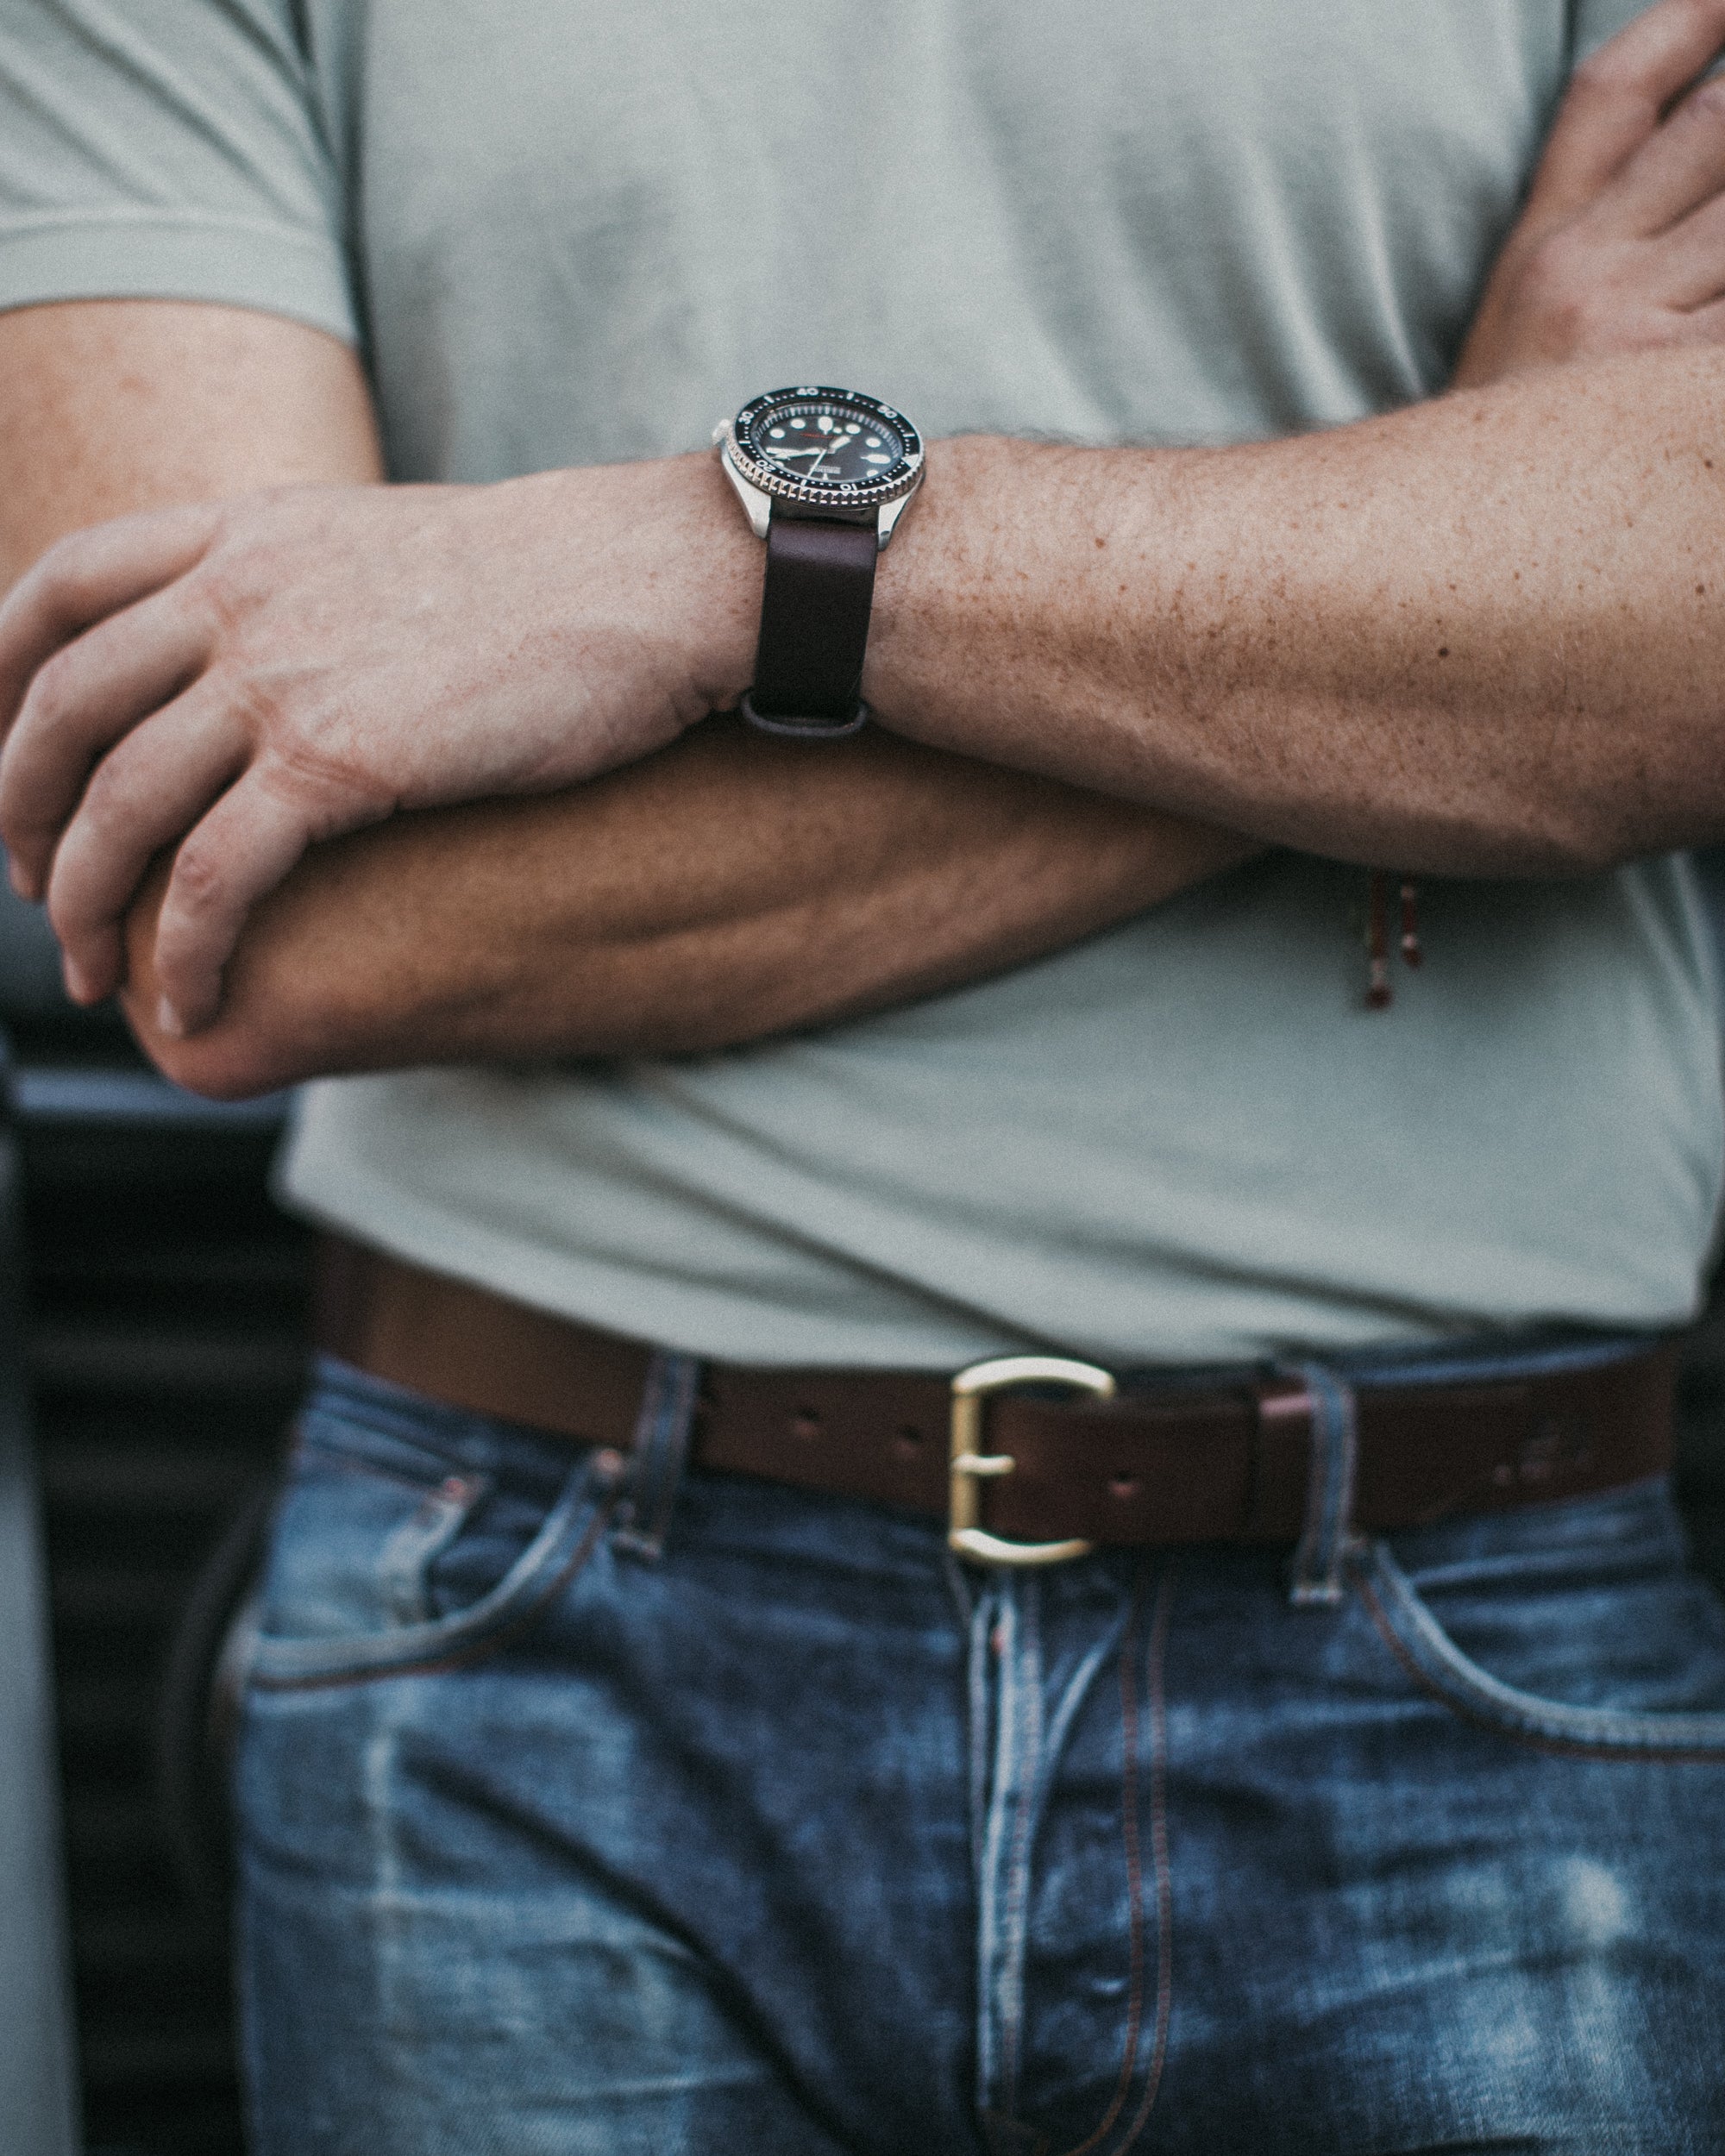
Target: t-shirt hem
{"points": [[235, 262], [634, 1306], [716, 1324]]}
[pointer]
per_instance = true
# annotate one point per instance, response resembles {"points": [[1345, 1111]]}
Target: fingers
{"points": [[241, 850], [1704, 325], [149, 789], [88, 577], [1616, 98], [1682, 166], [88, 695], [1691, 259]]}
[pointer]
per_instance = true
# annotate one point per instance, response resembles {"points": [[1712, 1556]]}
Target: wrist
{"points": [[716, 575], [959, 592], [662, 535]]}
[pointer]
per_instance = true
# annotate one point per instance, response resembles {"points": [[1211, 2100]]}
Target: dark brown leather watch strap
{"points": [[814, 626]]}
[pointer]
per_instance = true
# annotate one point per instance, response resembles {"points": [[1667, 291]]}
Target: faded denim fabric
{"points": [[772, 1830]]}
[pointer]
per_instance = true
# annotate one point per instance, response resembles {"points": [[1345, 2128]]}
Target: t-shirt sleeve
{"points": [[168, 150]]}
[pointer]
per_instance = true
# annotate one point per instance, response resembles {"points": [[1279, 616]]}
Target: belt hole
{"points": [[806, 1423], [1123, 1486], [906, 1439]]}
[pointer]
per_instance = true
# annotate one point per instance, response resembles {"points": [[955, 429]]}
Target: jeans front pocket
{"points": [[1576, 1626], [402, 1546]]}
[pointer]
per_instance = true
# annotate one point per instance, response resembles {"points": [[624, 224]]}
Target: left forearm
{"points": [[731, 887], [1484, 635]]}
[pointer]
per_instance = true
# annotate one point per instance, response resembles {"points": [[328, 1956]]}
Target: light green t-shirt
{"points": [[571, 233]]}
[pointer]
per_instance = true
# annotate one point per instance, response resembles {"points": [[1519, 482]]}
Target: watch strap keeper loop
{"points": [[803, 728]]}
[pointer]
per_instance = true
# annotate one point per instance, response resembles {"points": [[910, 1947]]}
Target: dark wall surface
{"points": [[164, 1342]]}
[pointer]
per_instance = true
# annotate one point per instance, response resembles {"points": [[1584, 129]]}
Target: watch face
{"points": [[829, 446]]}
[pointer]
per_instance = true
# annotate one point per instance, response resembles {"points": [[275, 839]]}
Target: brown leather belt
{"points": [[1227, 1462]]}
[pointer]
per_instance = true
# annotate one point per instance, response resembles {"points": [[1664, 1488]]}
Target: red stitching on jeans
{"points": [[1017, 1869], [459, 1657], [1134, 1876], [1158, 1837], [1158, 1831], [1562, 1748]]}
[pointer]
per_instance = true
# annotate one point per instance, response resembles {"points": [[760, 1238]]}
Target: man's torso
{"points": [[576, 235]]}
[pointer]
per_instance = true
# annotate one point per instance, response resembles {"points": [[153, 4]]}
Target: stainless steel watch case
{"points": [[759, 486]]}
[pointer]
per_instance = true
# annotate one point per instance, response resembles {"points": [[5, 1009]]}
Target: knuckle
{"points": [[296, 758], [331, 783], [1708, 103], [200, 879], [221, 592], [107, 793], [231, 580], [255, 702], [51, 699]]}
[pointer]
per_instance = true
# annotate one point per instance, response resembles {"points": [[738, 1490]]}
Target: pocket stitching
{"points": [[1467, 1690], [316, 1458], [404, 1563], [454, 1642]]}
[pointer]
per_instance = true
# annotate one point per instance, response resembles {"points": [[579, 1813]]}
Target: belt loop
{"points": [[658, 1455], [1316, 1581]]}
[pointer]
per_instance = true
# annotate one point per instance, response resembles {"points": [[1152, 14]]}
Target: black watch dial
{"points": [[827, 445], [826, 441]]}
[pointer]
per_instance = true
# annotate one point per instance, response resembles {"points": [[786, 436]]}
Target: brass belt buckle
{"points": [[971, 1466]]}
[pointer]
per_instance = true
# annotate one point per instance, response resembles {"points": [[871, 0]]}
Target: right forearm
{"points": [[729, 889]]}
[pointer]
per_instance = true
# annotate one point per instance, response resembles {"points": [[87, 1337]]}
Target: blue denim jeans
{"points": [[580, 1817]]}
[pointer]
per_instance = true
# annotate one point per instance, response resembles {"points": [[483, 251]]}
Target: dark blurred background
{"points": [[164, 1303], [164, 1321]]}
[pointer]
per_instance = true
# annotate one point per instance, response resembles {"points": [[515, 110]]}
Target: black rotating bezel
{"points": [[829, 494]]}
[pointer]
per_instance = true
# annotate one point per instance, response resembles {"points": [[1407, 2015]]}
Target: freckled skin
{"points": [[1462, 638], [1246, 674]]}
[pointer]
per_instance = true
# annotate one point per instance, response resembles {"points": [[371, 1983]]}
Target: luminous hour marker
{"points": [[874, 441], [778, 434], [851, 426], [877, 460]]}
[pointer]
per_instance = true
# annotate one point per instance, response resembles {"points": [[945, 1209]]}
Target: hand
{"points": [[244, 678], [1621, 245]]}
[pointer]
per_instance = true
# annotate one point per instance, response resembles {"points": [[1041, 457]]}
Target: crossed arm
{"points": [[728, 888], [1481, 636]]}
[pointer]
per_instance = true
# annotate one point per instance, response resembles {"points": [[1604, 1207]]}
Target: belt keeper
{"points": [[1315, 1576], [659, 1454], [1281, 1459]]}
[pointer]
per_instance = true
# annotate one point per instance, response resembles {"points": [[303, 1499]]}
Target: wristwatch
{"points": [[823, 475]]}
